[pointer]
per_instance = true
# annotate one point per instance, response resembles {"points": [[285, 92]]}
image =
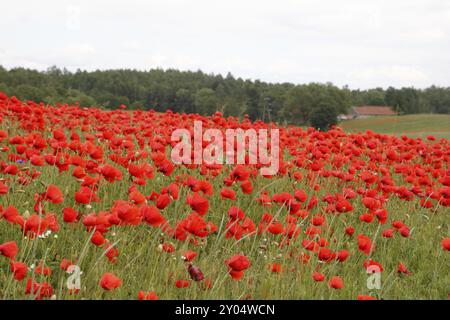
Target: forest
{"points": [[202, 93]]}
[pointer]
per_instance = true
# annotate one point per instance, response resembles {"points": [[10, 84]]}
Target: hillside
{"points": [[420, 125]]}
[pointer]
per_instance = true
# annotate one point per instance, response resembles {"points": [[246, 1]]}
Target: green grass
{"points": [[141, 266], [420, 125]]}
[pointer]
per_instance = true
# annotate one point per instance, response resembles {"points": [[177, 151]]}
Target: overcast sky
{"points": [[351, 42]]}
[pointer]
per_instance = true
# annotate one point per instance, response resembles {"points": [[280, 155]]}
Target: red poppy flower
{"points": [[162, 201], [228, 194], [349, 231], [342, 255], [11, 169], [240, 173], [110, 173], [236, 275], [344, 206], [37, 161], [19, 270], [3, 188], [203, 186], [236, 213], [198, 203], [371, 203], [276, 267], [53, 194], [152, 215], [402, 269], [182, 283], [446, 244], [151, 295], [373, 266], [326, 255], [318, 277], [247, 187], [111, 253], [43, 270], [365, 244], [365, 297], [387, 233], [11, 214], [366, 217], [65, 264], [70, 215], [318, 220], [127, 212], [300, 195], [109, 281], [85, 196], [382, 215], [98, 239], [398, 224], [238, 262], [404, 231], [9, 249], [336, 283], [41, 290], [166, 167], [195, 224], [189, 255], [168, 247], [137, 197]]}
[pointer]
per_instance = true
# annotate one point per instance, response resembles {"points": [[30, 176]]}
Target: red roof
{"points": [[374, 110]]}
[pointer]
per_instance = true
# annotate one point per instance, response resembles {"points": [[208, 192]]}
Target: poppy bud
{"points": [[195, 273]]}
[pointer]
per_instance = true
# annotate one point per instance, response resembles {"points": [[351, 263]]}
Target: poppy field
{"points": [[92, 207]]}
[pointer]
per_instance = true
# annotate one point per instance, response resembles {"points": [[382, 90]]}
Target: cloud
{"points": [[399, 75], [78, 49], [360, 43], [74, 55]]}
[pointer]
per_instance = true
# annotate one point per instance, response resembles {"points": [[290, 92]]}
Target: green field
{"points": [[420, 125], [85, 208]]}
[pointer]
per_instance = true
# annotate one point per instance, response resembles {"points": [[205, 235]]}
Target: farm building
{"points": [[367, 111]]}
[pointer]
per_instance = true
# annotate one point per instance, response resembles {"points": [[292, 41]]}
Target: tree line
{"points": [[198, 92]]}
